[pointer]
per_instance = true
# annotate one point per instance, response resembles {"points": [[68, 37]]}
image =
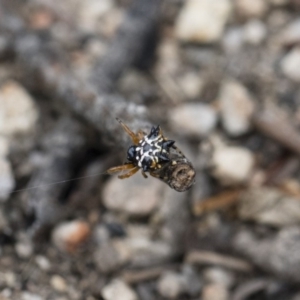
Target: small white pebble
{"points": [[193, 119], [202, 21], [91, 11], [68, 236], [10, 278], [251, 8], [118, 290], [215, 292], [43, 262], [255, 32], [58, 283], [236, 107], [233, 40], [18, 113], [24, 249], [30, 296], [191, 84], [7, 181], [170, 285], [290, 65], [5, 294], [232, 165], [218, 275], [290, 35]]}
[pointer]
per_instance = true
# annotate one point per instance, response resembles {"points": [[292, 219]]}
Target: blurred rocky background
{"points": [[221, 78]]}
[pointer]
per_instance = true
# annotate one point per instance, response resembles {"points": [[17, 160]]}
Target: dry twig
{"points": [[205, 257], [216, 202]]}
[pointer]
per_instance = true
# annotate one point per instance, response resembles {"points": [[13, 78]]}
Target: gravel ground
{"points": [[221, 78]]}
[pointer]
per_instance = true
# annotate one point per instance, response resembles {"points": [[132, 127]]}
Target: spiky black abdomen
{"points": [[152, 151]]}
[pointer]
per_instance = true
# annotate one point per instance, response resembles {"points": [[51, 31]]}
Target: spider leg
{"points": [[155, 175], [177, 149], [129, 174], [120, 168], [144, 174], [140, 134], [132, 135]]}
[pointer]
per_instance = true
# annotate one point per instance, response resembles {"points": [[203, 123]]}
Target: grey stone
{"points": [[232, 165], [191, 280], [138, 249], [195, 119], [30, 296], [255, 32], [290, 65], [290, 35], [146, 252], [267, 205], [58, 283], [237, 107], [170, 285], [24, 249], [251, 8], [91, 11], [202, 21], [43, 262], [112, 255], [191, 84], [233, 40], [215, 291], [7, 181], [118, 290], [68, 236], [278, 254], [135, 196], [219, 276], [18, 114]]}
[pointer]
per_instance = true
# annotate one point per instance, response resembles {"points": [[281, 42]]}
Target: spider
{"points": [[148, 152]]}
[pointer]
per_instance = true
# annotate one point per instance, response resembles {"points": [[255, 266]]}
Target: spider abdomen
{"points": [[151, 151]]}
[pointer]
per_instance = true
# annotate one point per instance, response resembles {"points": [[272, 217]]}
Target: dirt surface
{"points": [[221, 78]]}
